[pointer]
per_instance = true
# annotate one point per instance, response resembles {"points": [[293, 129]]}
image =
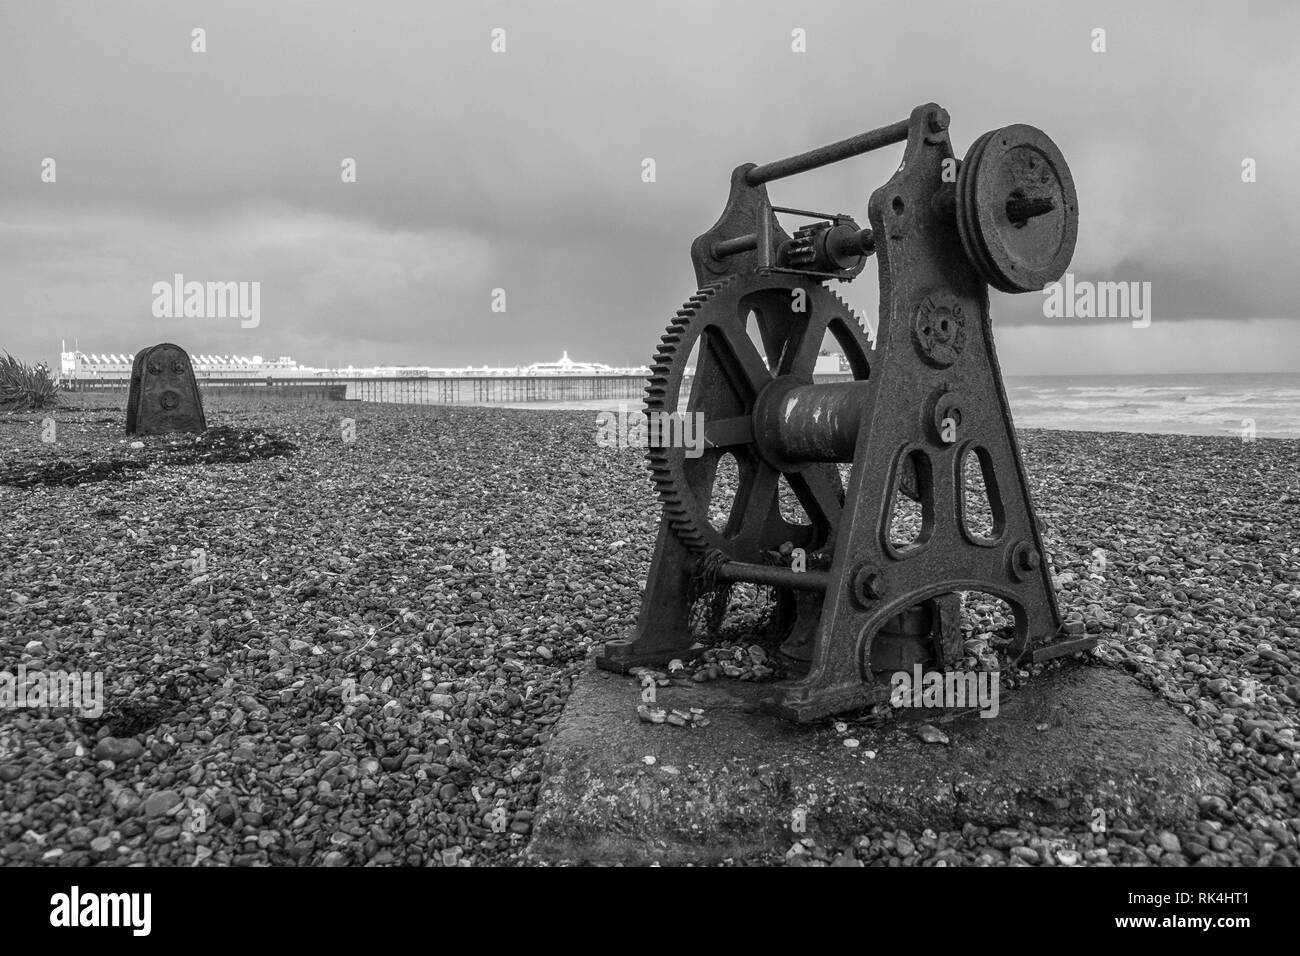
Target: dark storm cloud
{"points": [[522, 170]]}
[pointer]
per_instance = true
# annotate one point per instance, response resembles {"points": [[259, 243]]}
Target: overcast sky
{"points": [[522, 170]]}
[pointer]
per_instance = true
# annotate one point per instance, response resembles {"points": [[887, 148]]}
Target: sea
{"points": [[1262, 405], [1265, 405]]}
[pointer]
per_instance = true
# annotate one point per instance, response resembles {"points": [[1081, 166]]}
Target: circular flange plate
{"points": [[1017, 210], [939, 329]]}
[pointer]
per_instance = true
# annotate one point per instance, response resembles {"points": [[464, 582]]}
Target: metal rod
{"points": [[773, 576], [809, 213], [825, 155], [1021, 210], [861, 243], [730, 247]]}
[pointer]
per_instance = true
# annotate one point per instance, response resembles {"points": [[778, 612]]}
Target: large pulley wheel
{"points": [[1017, 211], [790, 316]]}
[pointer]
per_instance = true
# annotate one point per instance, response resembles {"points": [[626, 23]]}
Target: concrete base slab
{"points": [[731, 789]]}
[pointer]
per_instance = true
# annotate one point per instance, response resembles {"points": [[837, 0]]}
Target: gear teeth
{"points": [[658, 398], [859, 320]]}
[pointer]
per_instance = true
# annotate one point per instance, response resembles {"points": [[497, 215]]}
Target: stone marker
{"points": [[164, 395]]}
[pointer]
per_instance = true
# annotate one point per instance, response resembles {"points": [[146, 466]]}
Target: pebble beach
{"points": [[337, 645]]}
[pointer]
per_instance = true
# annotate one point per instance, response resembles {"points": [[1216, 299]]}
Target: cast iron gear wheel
{"points": [[791, 315]]}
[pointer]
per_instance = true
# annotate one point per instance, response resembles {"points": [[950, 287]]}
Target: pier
{"points": [[415, 390]]}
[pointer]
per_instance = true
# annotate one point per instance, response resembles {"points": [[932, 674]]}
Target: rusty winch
{"points": [[915, 417]]}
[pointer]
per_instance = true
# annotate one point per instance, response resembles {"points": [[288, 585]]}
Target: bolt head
{"points": [[939, 120], [868, 584]]}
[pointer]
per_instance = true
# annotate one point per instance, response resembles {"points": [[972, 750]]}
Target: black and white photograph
{"points": [[618, 435]]}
